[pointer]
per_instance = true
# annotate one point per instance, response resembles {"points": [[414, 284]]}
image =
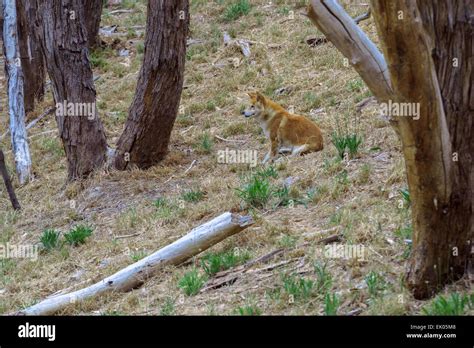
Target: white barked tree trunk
{"points": [[16, 105]]}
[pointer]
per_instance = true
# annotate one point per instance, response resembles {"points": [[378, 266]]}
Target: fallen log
{"points": [[193, 243]]}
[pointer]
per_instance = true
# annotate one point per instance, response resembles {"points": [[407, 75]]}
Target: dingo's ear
{"points": [[260, 98], [252, 94]]}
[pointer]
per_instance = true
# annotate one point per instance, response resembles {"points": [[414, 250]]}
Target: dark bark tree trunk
{"points": [[31, 59], [145, 139], [93, 13], [429, 48], [8, 183], [61, 32]]}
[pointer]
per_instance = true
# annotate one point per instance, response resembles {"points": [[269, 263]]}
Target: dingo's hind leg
{"points": [[298, 150]]}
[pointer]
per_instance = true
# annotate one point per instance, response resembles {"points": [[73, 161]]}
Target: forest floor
{"points": [[134, 213]]}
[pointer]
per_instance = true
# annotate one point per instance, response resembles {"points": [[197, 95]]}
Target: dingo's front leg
{"points": [[270, 156]]}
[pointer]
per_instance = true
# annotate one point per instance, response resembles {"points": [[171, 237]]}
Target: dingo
{"points": [[287, 133]]}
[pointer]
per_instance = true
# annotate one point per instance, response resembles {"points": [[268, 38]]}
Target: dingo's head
{"points": [[257, 105]]}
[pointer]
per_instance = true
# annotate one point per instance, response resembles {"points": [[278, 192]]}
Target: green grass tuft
{"points": [[331, 304], [298, 287], [250, 310], [375, 283], [268, 172], [348, 143], [78, 235], [216, 262], [168, 307], [49, 239], [237, 10], [192, 196], [323, 278], [205, 144], [256, 193], [192, 282], [138, 255], [455, 304]]}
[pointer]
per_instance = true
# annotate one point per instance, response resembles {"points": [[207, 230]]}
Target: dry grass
{"points": [[358, 198]]}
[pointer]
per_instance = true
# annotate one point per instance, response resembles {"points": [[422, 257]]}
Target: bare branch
{"points": [[362, 54], [362, 17]]}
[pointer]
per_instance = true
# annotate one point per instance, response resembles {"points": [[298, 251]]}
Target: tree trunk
{"points": [[15, 92], [93, 13], [31, 59], [145, 139], [438, 147], [60, 29], [428, 46], [8, 182]]}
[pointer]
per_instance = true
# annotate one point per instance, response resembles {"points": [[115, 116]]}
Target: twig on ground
{"points": [[190, 167], [229, 140], [127, 236], [114, 12]]}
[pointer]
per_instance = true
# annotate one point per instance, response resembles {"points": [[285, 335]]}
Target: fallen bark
{"points": [[195, 242]]}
